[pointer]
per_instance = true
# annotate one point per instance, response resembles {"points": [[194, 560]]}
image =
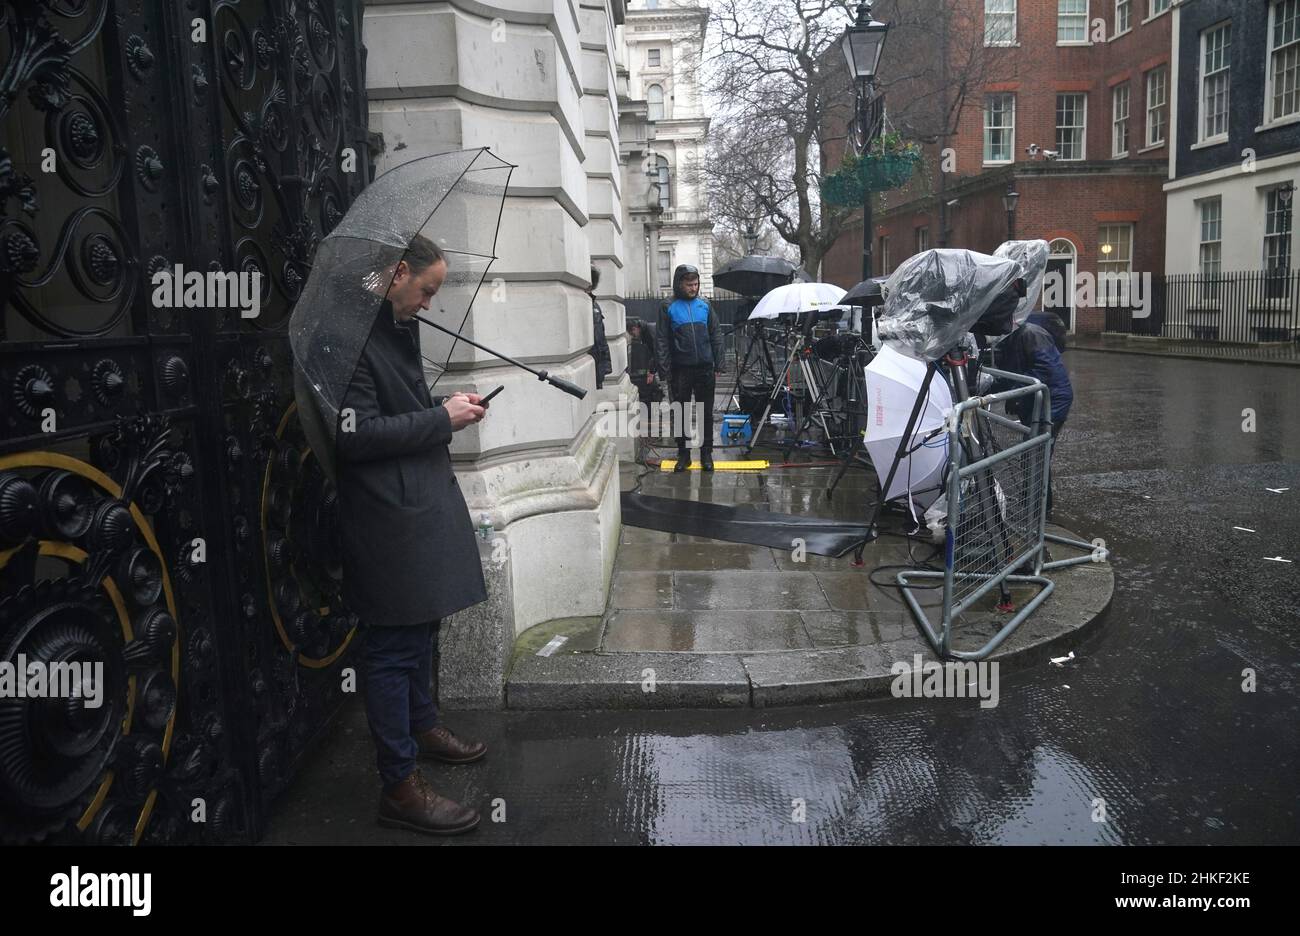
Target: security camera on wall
{"points": [[1032, 149], [1051, 154]]}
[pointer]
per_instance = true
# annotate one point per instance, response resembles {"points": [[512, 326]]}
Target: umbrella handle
{"points": [[560, 383]]}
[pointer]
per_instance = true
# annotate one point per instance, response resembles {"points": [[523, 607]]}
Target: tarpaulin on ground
{"points": [[747, 525]]}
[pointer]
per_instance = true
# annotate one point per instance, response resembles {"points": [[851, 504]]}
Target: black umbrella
{"points": [[756, 276], [867, 293]]}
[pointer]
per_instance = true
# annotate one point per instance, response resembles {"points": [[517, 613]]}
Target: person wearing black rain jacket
{"points": [[689, 345]]}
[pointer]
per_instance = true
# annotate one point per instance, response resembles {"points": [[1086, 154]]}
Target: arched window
{"points": [[655, 98], [665, 190]]}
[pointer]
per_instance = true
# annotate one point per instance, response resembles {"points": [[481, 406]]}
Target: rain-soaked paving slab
{"points": [[698, 622]]}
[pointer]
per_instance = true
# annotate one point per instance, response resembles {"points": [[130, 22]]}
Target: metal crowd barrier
{"points": [[996, 496]]}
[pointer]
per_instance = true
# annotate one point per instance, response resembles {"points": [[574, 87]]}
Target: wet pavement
{"points": [[1148, 723]]}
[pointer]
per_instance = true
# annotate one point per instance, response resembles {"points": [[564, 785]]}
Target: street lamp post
{"points": [[862, 44], [1009, 202]]}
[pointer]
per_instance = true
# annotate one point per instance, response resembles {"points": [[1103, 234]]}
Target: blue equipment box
{"points": [[736, 428]]}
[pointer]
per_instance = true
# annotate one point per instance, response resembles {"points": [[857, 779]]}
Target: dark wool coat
{"points": [[409, 550]]}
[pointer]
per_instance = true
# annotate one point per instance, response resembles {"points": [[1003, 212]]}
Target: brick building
{"points": [[1067, 103]]}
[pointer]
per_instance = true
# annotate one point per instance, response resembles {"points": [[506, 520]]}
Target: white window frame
{"points": [[1157, 8], [1014, 13], [1011, 127], [651, 55], [1226, 71], [1127, 4], [661, 269], [1119, 123], [1121, 264], [1216, 243], [923, 239], [1082, 127], [1277, 288], [1270, 118], [1087, 23], [884, 253], [664, 180], [1161, 71], [663, 106], [1115, 264], [1285, 208]]}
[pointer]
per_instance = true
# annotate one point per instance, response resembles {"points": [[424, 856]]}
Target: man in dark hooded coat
{"points": [[410, 557], [689, 345]]}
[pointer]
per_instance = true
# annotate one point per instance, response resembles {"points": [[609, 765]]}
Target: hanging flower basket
{"points": [[875, 172]]}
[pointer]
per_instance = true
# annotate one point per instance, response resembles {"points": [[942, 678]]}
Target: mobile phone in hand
{"points": [[487, 399]]}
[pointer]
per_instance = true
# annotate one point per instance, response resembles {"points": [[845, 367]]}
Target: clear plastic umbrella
{"points": [[453, 200]]}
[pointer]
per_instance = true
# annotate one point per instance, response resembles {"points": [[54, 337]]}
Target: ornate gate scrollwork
{"points": [[160, 512], [61, 758]]}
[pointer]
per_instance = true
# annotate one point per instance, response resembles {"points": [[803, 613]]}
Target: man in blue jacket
{"points": [[689, 345], [1031, 350]]}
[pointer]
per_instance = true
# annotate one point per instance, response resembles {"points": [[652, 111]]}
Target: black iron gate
{"points": [[159, 511]]}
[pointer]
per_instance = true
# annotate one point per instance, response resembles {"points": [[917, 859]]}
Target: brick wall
{"points": [[1059, 199]]}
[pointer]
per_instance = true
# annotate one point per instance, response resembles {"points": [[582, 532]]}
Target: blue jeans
{"points": [[398, 663]]}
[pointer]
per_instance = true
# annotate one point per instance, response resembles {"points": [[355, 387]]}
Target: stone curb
{"points": [[605, 680]]}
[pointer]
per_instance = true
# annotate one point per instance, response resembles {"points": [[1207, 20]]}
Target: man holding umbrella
{"points": [[409, 554], [689, 345]]}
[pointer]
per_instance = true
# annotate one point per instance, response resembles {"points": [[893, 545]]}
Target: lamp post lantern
{"points": [[1009, 202], [862, 45]]}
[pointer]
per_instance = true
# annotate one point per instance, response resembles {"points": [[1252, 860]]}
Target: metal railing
{"points": [[996, 501], [726, 306], [1248, 307]]}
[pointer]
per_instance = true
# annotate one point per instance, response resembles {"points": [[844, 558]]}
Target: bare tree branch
{"points": [[782, 101]]}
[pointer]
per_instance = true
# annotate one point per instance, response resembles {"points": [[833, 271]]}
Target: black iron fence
{"points": [[1244, 307], [727, 306]]}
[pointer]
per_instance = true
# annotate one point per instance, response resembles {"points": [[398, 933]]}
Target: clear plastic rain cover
{"points": [[1032, 255], [934, 297]]}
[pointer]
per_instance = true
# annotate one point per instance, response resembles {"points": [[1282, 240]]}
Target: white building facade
{"points": [[665, 129], [1234, 170], [535, 81]]}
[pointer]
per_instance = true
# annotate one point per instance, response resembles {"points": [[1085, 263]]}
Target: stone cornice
{"points": [[683, 123], [669, 16]]}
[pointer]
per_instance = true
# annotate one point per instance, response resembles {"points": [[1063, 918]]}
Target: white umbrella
{"points": [[797, 298], [893, 382]]}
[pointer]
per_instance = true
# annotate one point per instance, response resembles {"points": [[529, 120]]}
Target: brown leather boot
{"points": [[438, 743], [413, 804]]}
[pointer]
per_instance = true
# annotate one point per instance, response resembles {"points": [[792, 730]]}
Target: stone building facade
{"points": [[666, 127], [536, 81]]}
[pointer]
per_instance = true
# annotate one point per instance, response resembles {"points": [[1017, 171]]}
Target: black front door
{"points": [[1058, 287]]}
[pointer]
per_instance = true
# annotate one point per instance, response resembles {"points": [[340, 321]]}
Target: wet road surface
{"points": [[1148, 729]]}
